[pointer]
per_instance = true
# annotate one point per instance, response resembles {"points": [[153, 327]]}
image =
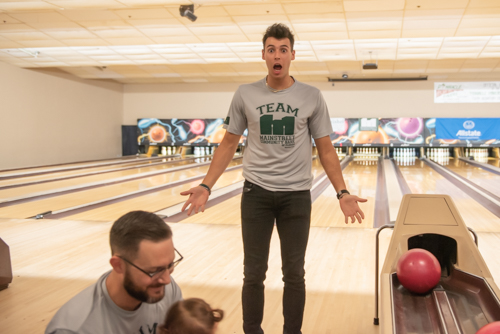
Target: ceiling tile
{"points": [[24, 36], [176, 39], [483, 3], [434, 14], [91, 15], [118, 33], [313, 7], [25, 6], [144, 14], [375, 34], [262, 20], [129, 41], [433, 4], [103, 25], [216, 30], [257, 9], [84, 42], [373, 5], [7, 19], [409, 33], [40, 43], [224, 38], [321, 36], [85, 4]]}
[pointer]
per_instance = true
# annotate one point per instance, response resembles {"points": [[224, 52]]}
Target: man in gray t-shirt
{"points": [[281, 115], [135, 295]]}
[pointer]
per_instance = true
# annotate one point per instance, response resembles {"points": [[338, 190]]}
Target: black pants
{"points": [[260, 209]]}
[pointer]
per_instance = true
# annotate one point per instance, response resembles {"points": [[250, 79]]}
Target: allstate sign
{"points": [[467, 129]]}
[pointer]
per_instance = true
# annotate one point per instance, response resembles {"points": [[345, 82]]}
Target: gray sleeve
{"points": [[319, 122], [236, 121]]}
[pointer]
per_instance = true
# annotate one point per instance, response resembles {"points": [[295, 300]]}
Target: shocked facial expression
{"points": [[278, 55], [152, 257]]}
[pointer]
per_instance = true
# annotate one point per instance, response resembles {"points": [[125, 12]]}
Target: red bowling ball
{"points": [[418, 270], [491, 328]]}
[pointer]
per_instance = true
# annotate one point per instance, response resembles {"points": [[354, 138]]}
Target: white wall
{"points": [[345, 99], [52, 117]]}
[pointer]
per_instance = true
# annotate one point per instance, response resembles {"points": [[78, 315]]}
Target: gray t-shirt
{"points": [[93, 311], [280, 125]]}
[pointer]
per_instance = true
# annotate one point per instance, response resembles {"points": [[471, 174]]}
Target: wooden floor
{"points": [[55, 259]]}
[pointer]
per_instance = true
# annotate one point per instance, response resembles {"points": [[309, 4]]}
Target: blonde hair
{"points": [[191, 316]]}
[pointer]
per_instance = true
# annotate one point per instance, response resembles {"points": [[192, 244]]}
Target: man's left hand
{"points": [[350, 208]]}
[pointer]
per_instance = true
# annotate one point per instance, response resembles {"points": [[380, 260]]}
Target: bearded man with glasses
{"points": [[136, 294]]}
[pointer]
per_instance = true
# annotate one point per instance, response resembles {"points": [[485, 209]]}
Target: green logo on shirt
{"points": [[270, 126], [277, 131]]}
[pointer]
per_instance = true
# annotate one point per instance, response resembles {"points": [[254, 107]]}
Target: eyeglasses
{"points": [[160, 272]]}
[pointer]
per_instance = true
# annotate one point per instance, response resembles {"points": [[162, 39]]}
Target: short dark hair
{"points": [[278, 31], [132, 228], [191, 316]]}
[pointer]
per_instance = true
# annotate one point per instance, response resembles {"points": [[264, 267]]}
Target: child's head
{"points": [[191, 316]]}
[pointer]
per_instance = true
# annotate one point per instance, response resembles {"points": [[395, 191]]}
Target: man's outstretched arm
{"points": [[223, 155]]}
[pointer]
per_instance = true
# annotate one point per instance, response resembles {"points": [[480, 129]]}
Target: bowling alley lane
{"points": [[155, 201], [361, 180], [80, 172], [51, 186], [479, 176], [422, 179], [67, 165], [83, 197]]}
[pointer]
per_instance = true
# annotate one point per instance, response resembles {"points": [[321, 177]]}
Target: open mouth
{"points": [[277, 67]]}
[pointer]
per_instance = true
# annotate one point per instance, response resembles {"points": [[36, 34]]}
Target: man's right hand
{"points": [[198, 197]]}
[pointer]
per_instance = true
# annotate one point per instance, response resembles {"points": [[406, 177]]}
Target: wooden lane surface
{"points": [[422, 179], [361, 180], [30, 209], [481, 177], [155, 201], [228, 212], [43, 177], [54, 260], [65, 165], [51, 186]]}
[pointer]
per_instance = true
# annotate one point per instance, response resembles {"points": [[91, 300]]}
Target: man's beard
{"points": [[141, 295]]}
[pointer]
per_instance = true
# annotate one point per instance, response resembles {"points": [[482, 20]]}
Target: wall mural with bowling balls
{"points": [[377, 131], [181, 132], [431, 140]]}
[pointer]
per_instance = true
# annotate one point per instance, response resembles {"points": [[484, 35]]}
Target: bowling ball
{"points": [[410, 127], [157, 134], [491, 328], [197, 126], [418, 270]]}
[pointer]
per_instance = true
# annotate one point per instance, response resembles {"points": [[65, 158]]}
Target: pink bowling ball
{"points": [[418, 270], [491, 328]]}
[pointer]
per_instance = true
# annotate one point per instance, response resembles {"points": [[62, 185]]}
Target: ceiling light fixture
{"points": [[188, 11]]}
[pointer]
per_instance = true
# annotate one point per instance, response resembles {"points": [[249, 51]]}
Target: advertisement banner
{"points": [[467, 92], [467, 128]]}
